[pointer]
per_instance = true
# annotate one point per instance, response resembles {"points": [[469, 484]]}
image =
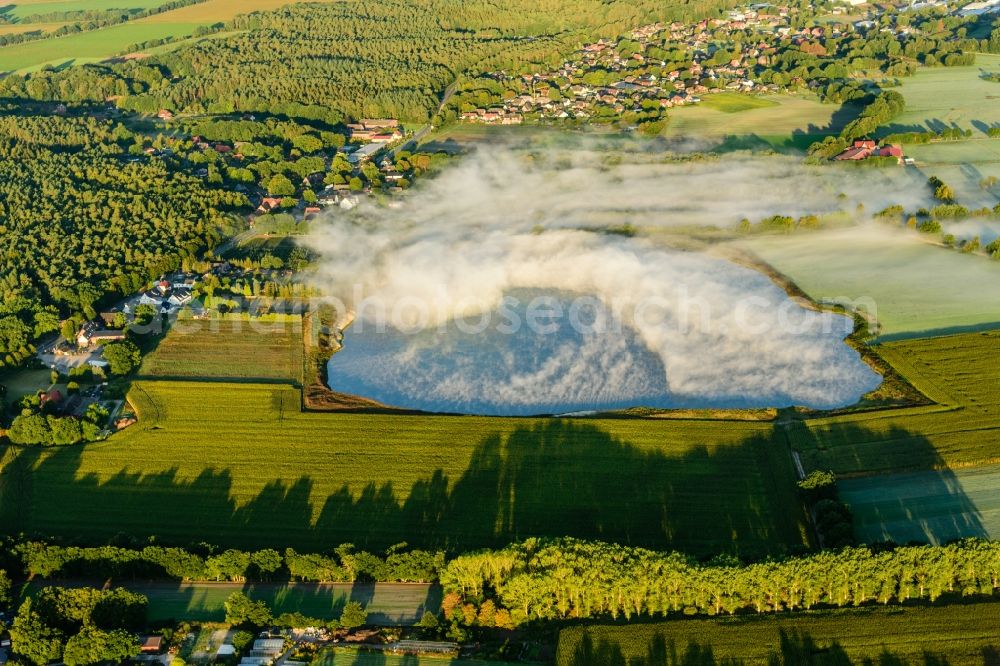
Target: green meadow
{"points": [[940, 97], [773, 120], [890, 275]]}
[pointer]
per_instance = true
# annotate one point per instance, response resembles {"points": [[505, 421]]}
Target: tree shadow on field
{"points": [[788, 648], [545, 478]]}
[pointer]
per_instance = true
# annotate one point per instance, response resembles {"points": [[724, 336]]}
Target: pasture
{"points": [[961, 634], [775, 120], [890, 275], [959, 373], [968, 101], [233, 348], [935, 506], [240, 465]]}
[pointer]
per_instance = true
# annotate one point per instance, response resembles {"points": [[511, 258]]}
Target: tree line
{"points": [[343, 564], [572, 579]]}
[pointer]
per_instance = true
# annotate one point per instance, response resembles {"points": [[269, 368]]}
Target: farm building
{"points": [[151, 644], [862, 149], [364, 153]]}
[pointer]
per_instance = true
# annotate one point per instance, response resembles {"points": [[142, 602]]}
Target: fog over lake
{"points": [[691, 328]]}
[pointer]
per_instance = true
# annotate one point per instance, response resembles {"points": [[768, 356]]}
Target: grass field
{"points": [[968, 102], [935, 507], [892, 272], [387, 603], [776, 120], [734, 102], [240, 465], [349, 657], [22, 382], [958, 372], [936, 635], [233, 349]]}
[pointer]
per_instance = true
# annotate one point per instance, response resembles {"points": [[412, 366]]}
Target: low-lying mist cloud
{"points": [[498, 224]]}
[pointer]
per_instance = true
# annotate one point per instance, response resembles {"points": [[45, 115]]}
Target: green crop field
{"points": [[779, 120], [958, 372], [387, 603], [890, 273], [935, 507], [349, 657], [86, 46], [939, 97], [241, 465], [927, 635], [234, 349]]}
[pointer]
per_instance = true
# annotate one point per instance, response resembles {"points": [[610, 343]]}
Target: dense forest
{"points": [[81, 219]]}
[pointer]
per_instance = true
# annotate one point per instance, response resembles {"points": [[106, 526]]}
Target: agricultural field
{"points": [[18, 28], [776, 120], [217, 11], [889, 275], [240, 465], [957, 372], [964, 634], [22, 9], [101, 44], [349, 657], [387, 603], [934, 507], [941, 97], [88, 46], [233, 348]]}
